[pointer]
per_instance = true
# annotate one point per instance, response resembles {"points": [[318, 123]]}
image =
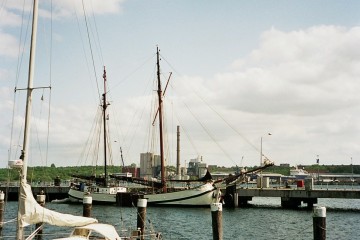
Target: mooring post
{"points": [[216, 216], [40, 199], [141, 216], [87, 205], [2, 205], [319, 223]]}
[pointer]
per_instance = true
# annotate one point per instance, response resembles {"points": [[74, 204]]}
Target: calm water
{"points": [[265, 220]]}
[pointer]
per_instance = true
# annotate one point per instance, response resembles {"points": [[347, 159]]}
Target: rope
{"points": [[97, 35], [32, 235], [209, 133], [218, 114], [50, 63], [17, 74], [131, 73], [91, 51], [187, 135], [10, 221]]}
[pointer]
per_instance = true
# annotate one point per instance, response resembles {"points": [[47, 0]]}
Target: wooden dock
{"points": [[293, 197], [51, 192]]}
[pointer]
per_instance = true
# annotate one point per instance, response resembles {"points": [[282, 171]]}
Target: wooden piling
{"points": [[231, 197], [141, 216], [2, 205], [216, 216], [87, 205], [319, 223], [40, 199]]}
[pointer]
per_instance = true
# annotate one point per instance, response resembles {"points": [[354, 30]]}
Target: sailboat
{"points": [[201, 195], [100, 188], [29, 211]]}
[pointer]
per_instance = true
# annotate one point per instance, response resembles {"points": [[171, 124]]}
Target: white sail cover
{"points": [[31, 212], [108, 231]]}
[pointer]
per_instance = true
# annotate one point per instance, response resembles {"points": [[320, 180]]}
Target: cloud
{"points": [[299, 85], [305, 72], [66, 8], [11, 19], [8, 45]]}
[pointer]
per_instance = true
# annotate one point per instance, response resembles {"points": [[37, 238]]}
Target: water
{"points": [[265, 220]]}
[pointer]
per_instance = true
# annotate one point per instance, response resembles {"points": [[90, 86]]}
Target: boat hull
{"points": [[201, 196], [99, 195]]}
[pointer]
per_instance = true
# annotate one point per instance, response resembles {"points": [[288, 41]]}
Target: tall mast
{"points": [[26, 141], [178, 151], [25, 151], [104, 106], [159, 91]]}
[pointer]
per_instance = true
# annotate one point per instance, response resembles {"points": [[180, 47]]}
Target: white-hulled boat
{"points": [[201, 195], [29, 211], [299, 173], [101, 189], [99, 194]]}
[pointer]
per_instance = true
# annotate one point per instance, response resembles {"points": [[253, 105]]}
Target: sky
{"points": [[240, 70]]}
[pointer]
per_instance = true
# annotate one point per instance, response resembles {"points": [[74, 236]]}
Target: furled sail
{"points": [[31, 212]]}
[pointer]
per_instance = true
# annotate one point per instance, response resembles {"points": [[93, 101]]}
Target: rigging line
{"points": [[50, 76], [208, 132], [132, 73], [97, 35], [242, 136], [12, 126], [19, 60], [186, 133], [99, 137], [137, 126], [21, 49], [154, 128], [137, 123], [166, 135], [95, 142], [116, 121], [91, 51], [84, 50], [87, 142], [233, 128], [37, 135], [108, 139], [119, 137], [153, 105], [163, 58]]}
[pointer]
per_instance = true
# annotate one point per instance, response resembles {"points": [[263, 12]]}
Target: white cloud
{"points": [[8, 45], [305, 72], [10, 19], [302, 86], [66, 8]]}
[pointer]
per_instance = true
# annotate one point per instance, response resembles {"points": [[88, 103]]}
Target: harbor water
{"points": [[265, 219]]}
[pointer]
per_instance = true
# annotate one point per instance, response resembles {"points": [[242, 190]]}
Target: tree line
{"points": [[46, 174]]}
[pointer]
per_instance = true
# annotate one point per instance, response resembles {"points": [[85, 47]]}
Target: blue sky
{"points": [[286, 67]]}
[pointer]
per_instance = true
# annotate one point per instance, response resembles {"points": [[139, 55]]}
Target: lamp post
{"points": [[318, 163], [352, 172], [261, 162], [261, 153]]}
